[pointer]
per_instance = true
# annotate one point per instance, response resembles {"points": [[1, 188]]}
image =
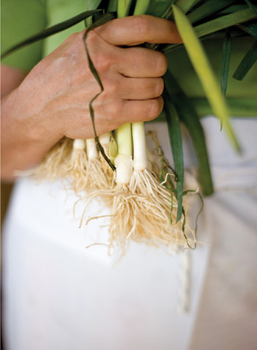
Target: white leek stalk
{"points": [[139, 144], [92, 152], [123, 162]]}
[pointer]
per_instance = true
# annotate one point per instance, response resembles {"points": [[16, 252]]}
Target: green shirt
{"points": [[21, 19]]}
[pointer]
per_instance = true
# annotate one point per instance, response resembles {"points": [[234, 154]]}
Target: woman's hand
{"points": [[53, 100]]}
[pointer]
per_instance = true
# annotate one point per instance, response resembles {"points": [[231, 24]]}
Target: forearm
{"points": [[53, 100]]}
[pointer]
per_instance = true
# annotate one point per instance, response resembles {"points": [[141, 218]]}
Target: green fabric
{"points": [[30, 17], [59, 11], [19, 20]]}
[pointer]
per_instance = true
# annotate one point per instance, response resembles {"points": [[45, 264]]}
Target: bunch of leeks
{"points": [[149, 197]]}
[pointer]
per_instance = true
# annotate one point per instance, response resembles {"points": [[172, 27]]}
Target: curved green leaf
{"points": [[247, 62], [204, 71], [252, 6], [52, 30], [226, 52], [158, 7], [102, 20], [208, 8], [190, 119], [176, 147]]}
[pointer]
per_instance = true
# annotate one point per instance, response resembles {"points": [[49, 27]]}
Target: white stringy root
{"points": [[96, 174], [52, 166], [144, 213], [141, 206], [76, 166], [77, 161]]}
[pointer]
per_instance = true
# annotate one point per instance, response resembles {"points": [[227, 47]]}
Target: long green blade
{"points": [[225, 22], [250, 29], [204, 71], [226, 52], [252, 6], [186, 5], [176, 147], [220, 23], [158, 8], [247, 62], [141, 7], [52, 30], [112, 6], [190, 119], [124, 8], [102, 20], [208, 8]]}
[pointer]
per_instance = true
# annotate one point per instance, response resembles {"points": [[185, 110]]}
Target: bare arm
{"points": [[52, 101]]}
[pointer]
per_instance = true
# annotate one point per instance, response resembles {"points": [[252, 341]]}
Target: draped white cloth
{"points": [[59, 293]]}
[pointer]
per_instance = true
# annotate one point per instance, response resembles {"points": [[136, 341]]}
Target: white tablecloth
{"points": [[59, 294]]}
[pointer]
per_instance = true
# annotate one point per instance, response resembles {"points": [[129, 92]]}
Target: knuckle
{"points": [[91, 37], [114, 111], [110, 109], [155, 108], [159, 87], [102, 59], [102, 62], [161, 64]]}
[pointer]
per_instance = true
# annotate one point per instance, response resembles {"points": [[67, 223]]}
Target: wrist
{"points": [[25, 134]]}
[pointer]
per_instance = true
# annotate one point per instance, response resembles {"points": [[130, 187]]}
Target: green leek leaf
{"points": [[176, 147], [250, 28], [158, 8], [232, 9], [225, 22], [141, 7], [204, 71], [124, 8], [208, 8], [247, 62], [52, 30], [252, 6], [186, 5], [112, 6], [190, 119], [220, 23], [226, 52], [102, 20]]}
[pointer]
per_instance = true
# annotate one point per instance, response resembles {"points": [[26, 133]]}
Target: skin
{"points": [[51, 102]]}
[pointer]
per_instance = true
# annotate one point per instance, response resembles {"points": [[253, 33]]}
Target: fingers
{"points": [[140, 89], [134, 111], [118, 112], [135, 62], [131, 76], [140, 62], [135, 30]]}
